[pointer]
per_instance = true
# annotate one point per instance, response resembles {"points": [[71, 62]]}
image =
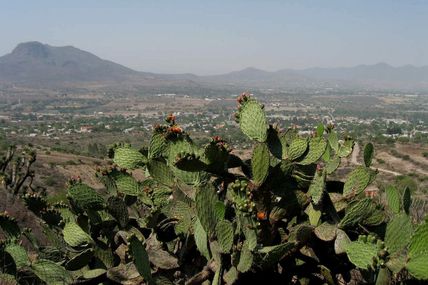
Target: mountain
{"points": [[34, 62]]}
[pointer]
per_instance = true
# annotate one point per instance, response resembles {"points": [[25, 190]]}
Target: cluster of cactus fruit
{"points": [[205, 215]]}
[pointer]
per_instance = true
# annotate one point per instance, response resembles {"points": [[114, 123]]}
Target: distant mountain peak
{"points": [[33, 49]]}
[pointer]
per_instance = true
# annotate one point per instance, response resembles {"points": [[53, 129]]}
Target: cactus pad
{"points": [[75, 236], [356, 181], [393, 199], [224, 233], [398, 233], [51, 273], [361, 254], [260, 163], [419, 241], [326, 231], [316, 189], [201, 240], [141, 258], [316, 149], [418, 266], [160, 172], [18, 254], [206, 200], [297, 148], [129, 158], [85, 197], [253, 122], [245, 259]]}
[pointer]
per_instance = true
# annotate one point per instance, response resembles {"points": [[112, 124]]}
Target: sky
{"points": [[213, 37]]}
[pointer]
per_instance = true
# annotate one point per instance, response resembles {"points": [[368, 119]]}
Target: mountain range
{"points": [[41, 65]]}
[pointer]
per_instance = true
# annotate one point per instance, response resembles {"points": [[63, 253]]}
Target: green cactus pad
{"points": [[316, 189], [313, 214], [129, 158], [245, 259], [326, 231], [317, 147], [75, 236], [297, 148], [407, 200], [398, 233], [419, 241], [85, 197], [201, 240], [253, 122], [158, 145], [368, 154], [418, 266], [35, 203], [341, 242], [357, 212], [79, 260], [141, 258], [346, 148], [361, 254], [94, 273], [333, 141], [118, 209], [383, 277], [127, 184], [231, 276], [161, 172], [18, 254], [190, 163], [224, 233], [184, 213], [7, 279], [356, 181], [332, 165], [396, 263], [393, 199], [260, 163], [274, 254], [9, 226], [51, 273], [206, 199]]}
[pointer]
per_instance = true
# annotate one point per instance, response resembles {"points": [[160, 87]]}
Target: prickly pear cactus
{"points": [[203, 214]]}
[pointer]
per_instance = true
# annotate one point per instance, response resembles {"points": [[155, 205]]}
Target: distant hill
{"points": [[37, 64]]}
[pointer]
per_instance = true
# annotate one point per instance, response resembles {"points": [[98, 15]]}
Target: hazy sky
{"points": [[208, 37]]}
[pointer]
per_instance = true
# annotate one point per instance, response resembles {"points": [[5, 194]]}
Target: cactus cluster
{"points": [[203, 214]]}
